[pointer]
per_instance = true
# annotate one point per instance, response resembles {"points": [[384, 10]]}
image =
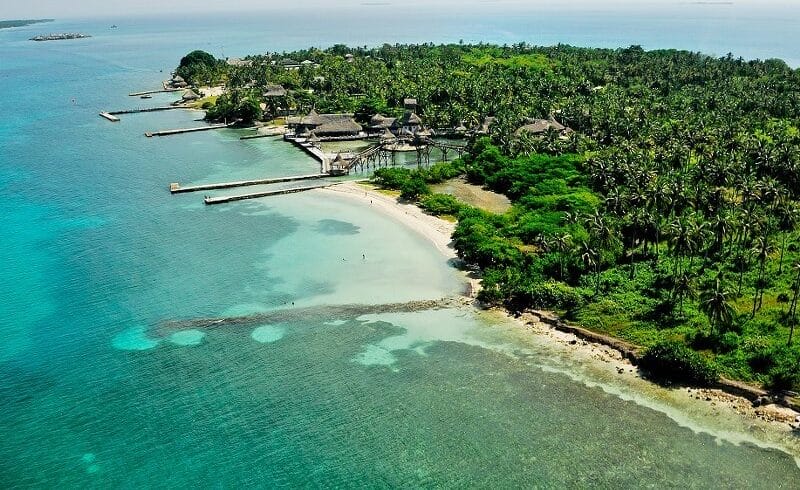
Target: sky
{"points": [[17, 9]]}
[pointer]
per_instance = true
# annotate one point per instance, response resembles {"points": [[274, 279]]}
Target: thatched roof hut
{"points": [[387, 136], [379, 121], [274, 91], [411, 119], [190, 95], [540, 126], [312, 119], [340, 127]]}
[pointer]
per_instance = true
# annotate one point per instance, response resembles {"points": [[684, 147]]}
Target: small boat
{"points": [[113, 27], [146, 96]]}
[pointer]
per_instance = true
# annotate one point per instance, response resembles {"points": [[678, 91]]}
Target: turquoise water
{"points": [[106, 382]]}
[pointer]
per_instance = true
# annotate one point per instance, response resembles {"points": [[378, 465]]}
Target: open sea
{"points": [[105, 381]]}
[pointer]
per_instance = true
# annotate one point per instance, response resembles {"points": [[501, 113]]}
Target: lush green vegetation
{"points": [[670, 215], [6, 24], [199, 67]]}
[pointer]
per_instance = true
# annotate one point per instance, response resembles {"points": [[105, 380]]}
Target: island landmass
{"points": [[7, 24], [653, 194]]}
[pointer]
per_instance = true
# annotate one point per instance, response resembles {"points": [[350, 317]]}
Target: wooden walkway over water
{"points": [[240, 197], [170, 132], [148, 92], [176, 188]]}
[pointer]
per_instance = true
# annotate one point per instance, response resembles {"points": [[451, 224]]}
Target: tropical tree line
{"points": [[670, 214]]}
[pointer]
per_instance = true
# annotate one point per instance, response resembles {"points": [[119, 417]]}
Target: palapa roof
{"points": [[539, 126], [190, 95], [312, 119], [387, 135], [342, 126], [178, 79], [380, 122], [411, 119], [274, 91]]}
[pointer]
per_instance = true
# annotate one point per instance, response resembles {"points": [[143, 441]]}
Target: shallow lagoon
{"points": [[98, 256]]}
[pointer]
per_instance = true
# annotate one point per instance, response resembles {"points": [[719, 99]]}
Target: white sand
{"points": [[437, 231]]}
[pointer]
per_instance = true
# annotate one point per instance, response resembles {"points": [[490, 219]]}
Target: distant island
{"points": [[60, 37], [6, 24]]}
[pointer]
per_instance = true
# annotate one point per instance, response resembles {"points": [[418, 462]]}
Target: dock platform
{"points": [[109, 116], [170, 132], [148, 92], [240, 197], [175, 188], [146, 109]]}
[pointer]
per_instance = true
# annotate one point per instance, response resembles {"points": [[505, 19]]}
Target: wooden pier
{"points": [[170, 132], [112, 115], [240, 197], [312, 150], [146, 109], [176, 188], [148, 92]]}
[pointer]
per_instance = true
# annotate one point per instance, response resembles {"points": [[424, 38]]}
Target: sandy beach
{"points": [[767, 424], [437, 231]]}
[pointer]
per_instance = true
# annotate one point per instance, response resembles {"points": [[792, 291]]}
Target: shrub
{"points": [[391, 177], [438, 204], [413, 188], [785, 371], [674, 361], [550, 294]]}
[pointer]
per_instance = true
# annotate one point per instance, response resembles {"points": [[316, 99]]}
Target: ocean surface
{"points": [[106, 381]]}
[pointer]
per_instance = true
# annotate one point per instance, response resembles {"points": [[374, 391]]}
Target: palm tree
{"points": [[682, 288], [762, 251], [590, 259], [714, 303], [793, 306], [562, 243]]}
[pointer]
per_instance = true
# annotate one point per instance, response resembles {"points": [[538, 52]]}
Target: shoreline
{"points": [[734, 397]]}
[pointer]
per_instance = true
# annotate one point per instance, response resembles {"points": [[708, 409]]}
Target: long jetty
{"points": [[254, 195], [148, 92], [169, 132], [176, 188], [146, 109]]}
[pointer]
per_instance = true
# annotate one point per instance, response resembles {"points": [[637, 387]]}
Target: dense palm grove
{"points": [[669, 218]]}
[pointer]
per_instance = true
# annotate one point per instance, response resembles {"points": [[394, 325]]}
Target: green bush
{"points": [[413, 188], [785, 371], [674, 361], [391, 177], [439, 204], [549, 295]]}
